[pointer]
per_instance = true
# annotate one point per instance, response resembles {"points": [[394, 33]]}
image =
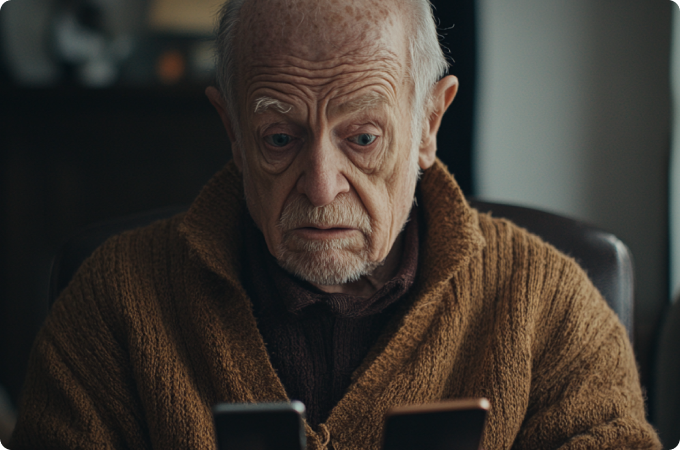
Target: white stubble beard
{"points": [[330, 261]]}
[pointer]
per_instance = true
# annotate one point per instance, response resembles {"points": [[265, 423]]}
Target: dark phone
{"points": [[448, 425], [260, 426]]}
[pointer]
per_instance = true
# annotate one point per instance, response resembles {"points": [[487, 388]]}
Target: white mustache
{"points": [[343, 212]]}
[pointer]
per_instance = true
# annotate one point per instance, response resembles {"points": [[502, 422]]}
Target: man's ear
{"points": [[221, 106], [442, 96]]}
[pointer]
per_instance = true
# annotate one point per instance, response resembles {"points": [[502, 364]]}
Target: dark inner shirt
{"points": [[316, 340]]}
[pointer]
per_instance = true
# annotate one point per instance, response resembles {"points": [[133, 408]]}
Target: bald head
{"points": [[251, 31], [317, 30], [317, 35]]}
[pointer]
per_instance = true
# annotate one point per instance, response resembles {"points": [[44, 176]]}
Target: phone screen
{"points": [[449, 425], [260, 426]]}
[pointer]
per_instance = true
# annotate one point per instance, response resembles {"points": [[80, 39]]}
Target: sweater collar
{"points": [[451, 233], [213, 222]]}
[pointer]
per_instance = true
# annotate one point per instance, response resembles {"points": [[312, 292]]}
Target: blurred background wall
{"points": [[674, 191], [667, 368]]}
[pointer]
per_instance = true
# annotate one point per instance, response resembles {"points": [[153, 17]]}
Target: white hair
{"points": [[427, 63], [426, 66]]}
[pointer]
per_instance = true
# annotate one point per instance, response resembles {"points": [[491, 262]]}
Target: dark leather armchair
{"points": [[667, 378], [604, 257]]}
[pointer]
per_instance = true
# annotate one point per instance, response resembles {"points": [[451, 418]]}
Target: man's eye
{"points": [[363, 139], [278, 140]]}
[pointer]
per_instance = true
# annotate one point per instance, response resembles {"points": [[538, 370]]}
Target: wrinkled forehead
{"points": [[320, 31]]}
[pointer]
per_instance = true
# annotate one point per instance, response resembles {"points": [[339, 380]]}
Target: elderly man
{"points": [[316, 266]]}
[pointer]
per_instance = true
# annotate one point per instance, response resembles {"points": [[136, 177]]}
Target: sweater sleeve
{"points": [[79, 390], [585, 391]]}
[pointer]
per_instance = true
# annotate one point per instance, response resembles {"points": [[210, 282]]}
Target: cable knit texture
{"points": [[156, 328]]}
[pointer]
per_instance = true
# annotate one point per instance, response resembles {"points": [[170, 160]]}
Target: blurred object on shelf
{"points": [[24, 28], [171, 67], [202, 61], [106, 43], [179, 16], [86, 45]]}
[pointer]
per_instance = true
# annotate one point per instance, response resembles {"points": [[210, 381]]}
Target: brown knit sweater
{"points": [[156, 328]]}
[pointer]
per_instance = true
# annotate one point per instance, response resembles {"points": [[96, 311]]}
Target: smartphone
{"points": [[447, 425], [260, 426]]}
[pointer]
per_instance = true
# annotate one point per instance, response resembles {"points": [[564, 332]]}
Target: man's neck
{"points": [[368, 285]]}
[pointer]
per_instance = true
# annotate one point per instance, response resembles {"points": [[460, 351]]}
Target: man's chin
{"points": [[328, 267]]}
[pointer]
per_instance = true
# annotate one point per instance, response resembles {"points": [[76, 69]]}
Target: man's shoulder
{"points": [[522, 261], [143, 243], [510, 240], [128, 260]]}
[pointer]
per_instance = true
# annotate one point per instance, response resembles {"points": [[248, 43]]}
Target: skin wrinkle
{"points": [[320, 89], [382, 61], [308, 85], [317, 84], [342, 102]]}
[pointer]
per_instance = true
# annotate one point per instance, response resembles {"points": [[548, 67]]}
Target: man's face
{"points": [[326, 148]]}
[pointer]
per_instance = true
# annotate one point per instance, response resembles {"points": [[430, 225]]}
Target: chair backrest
{"points": [[606, 259], [667, 378]]}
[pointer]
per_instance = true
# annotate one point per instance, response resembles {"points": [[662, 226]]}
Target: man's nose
{"points": [[322, 179]]}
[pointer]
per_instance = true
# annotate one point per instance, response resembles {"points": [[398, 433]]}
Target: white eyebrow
{"points": [[264, 103]]}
